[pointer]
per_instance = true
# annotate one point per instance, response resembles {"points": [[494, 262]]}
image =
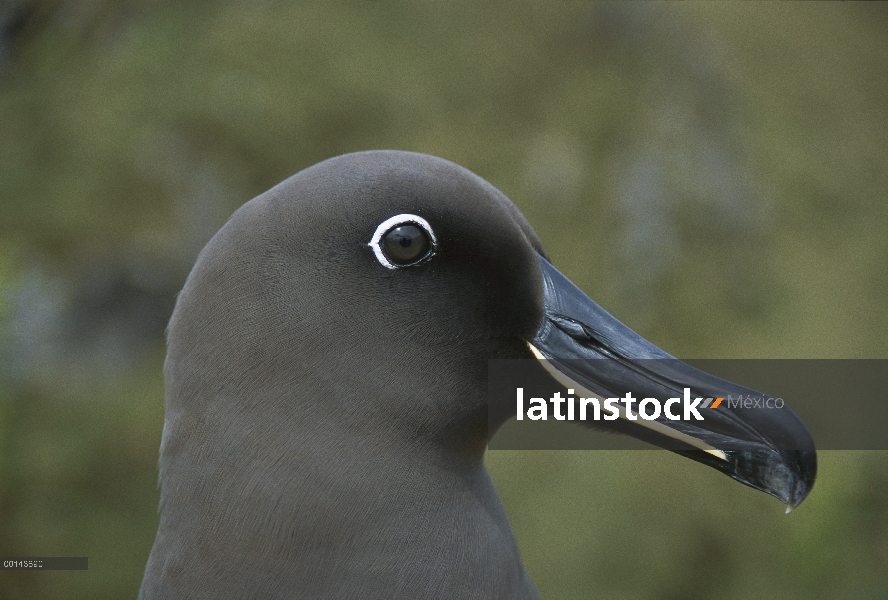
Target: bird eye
{"points": [[405, 244], [403, 241]]}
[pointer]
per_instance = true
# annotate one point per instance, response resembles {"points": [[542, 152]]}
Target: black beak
{"points": [[583, 347]]}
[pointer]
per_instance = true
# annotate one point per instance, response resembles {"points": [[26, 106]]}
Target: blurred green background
{"points": [[713, 174]]}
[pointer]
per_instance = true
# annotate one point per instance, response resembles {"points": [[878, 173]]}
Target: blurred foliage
{"points": [[714, 174]]}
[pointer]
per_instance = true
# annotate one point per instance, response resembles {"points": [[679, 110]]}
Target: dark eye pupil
{"points": [[406, 244]]}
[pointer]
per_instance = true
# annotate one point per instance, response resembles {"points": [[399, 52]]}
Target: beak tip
{"points": [[788, 476], [802, 466], [805, 471]]}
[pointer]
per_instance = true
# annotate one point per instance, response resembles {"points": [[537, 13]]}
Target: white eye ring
{"points": [[389, 224]]}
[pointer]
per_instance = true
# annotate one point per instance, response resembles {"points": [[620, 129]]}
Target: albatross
{"points": [[326, 381]]}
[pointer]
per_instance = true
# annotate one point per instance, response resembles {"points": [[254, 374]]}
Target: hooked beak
{"points": [[583, 347]]}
